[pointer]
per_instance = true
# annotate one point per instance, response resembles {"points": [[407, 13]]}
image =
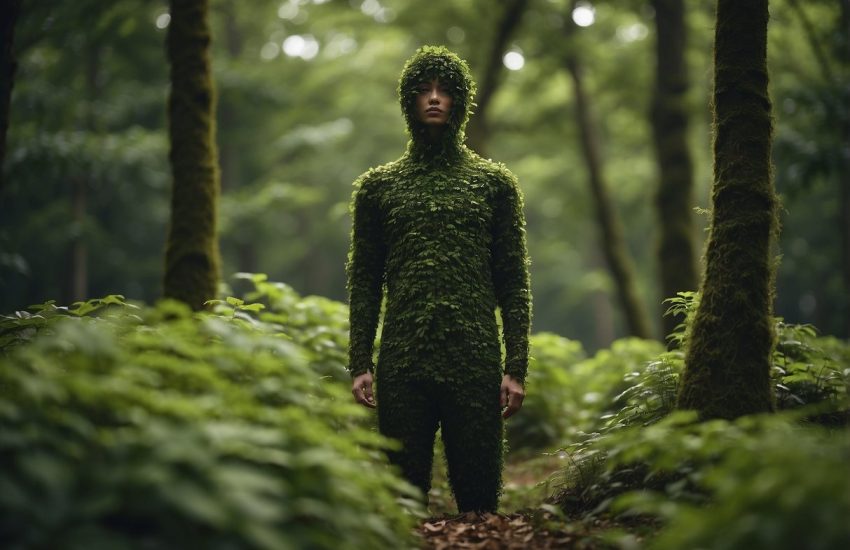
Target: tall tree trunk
{"points": [[7, 73], [603, 312], [727, 364], [844, 169], [673, 199], [478, 130], [613, 245], [191, 256], [76, 276]]}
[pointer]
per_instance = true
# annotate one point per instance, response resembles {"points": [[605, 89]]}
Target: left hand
{"points": [[511, 395]]}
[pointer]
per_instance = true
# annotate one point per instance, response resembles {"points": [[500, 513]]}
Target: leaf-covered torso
{"points": [[443, 229]]}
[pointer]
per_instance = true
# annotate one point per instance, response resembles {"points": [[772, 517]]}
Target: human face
{"points": [[433, 104]]}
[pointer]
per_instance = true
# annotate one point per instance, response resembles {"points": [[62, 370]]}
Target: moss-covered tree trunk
{"points": [[727, 363], [191, 256], [613, 244], [7, 72], [478, 130], [844, 170], [673, 199]]}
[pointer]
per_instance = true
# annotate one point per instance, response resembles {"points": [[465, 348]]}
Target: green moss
{"points": [[444, 230], [727, 371], [191, 256]]}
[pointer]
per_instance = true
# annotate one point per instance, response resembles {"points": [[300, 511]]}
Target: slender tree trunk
{"points": [[844, 170], [727, 364], [673, 199], [478, 130], [613, 245], [192, 256], [814, 43], [79, 251], [76, 283], [603, 312], [8, 66]]}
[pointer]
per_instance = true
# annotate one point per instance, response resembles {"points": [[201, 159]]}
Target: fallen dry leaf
{"points": [[490, 532]]}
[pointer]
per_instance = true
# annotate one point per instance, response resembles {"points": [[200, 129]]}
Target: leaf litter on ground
{"points": [[489, 531]]}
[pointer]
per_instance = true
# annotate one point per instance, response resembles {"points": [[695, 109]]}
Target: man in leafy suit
{"points": [[444, 230]]}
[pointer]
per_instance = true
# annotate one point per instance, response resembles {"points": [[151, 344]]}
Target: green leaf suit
{"points": [[443, 230]]}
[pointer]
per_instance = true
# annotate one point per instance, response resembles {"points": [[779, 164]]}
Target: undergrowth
{"points": [[126, 426]]}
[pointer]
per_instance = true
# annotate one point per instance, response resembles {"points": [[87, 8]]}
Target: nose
{"points": [[433, 96]]}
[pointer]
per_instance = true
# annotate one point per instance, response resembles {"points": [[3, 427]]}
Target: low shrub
{"points": [[567, 393], [755, 489], [810, 374], [136, 427], [544, 417]]}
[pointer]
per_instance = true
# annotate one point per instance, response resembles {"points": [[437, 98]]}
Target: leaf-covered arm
{"points": [[511, 280], [365, 273]]}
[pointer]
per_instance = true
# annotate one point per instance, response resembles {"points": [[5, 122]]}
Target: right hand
{"points": [[361, 387]]}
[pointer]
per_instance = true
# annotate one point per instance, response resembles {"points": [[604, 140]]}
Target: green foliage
{"points": [[568, 395], [808, 368], [135, 427], [317, 324], [809, 373], [545, 417], [770, 483]]}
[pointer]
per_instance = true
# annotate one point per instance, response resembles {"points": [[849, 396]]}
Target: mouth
{"points": [[433, 110]]}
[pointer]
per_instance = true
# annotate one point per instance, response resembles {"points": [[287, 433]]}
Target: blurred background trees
{"points": [[306, 102]]}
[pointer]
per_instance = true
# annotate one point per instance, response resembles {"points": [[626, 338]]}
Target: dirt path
{"points": [[522, 526], [515, 531]]}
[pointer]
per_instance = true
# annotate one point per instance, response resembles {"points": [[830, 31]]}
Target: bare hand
{"points": [[511, 395], [361, 387]]}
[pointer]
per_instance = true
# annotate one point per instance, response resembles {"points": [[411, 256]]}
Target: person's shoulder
{"points": [[496, 172], [374, 178]]}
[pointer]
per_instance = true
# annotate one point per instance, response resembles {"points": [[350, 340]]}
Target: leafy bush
{"points": [[602, 382], [567, 393], [318, 324], [543, 419], [764, 492], [809, 372], [136, 427]]}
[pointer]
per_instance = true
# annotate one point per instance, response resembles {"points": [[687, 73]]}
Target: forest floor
{"points": [[526, 519]]}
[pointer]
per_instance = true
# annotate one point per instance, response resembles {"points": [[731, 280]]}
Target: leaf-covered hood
{"points": [[427, 63]]}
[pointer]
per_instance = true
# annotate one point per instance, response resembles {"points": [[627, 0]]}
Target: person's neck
{"points": [[434, 144], [435, 133]]}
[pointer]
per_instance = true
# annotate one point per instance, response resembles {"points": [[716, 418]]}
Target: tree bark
{"points": [[77, 274], [8, 65], [674, 197], [844, 171], [613, 245], [727, 363], [478, 131], [192, 255]]}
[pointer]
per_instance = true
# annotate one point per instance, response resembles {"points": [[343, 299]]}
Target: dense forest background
{"points": [[307, 102], [642, 133]]}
